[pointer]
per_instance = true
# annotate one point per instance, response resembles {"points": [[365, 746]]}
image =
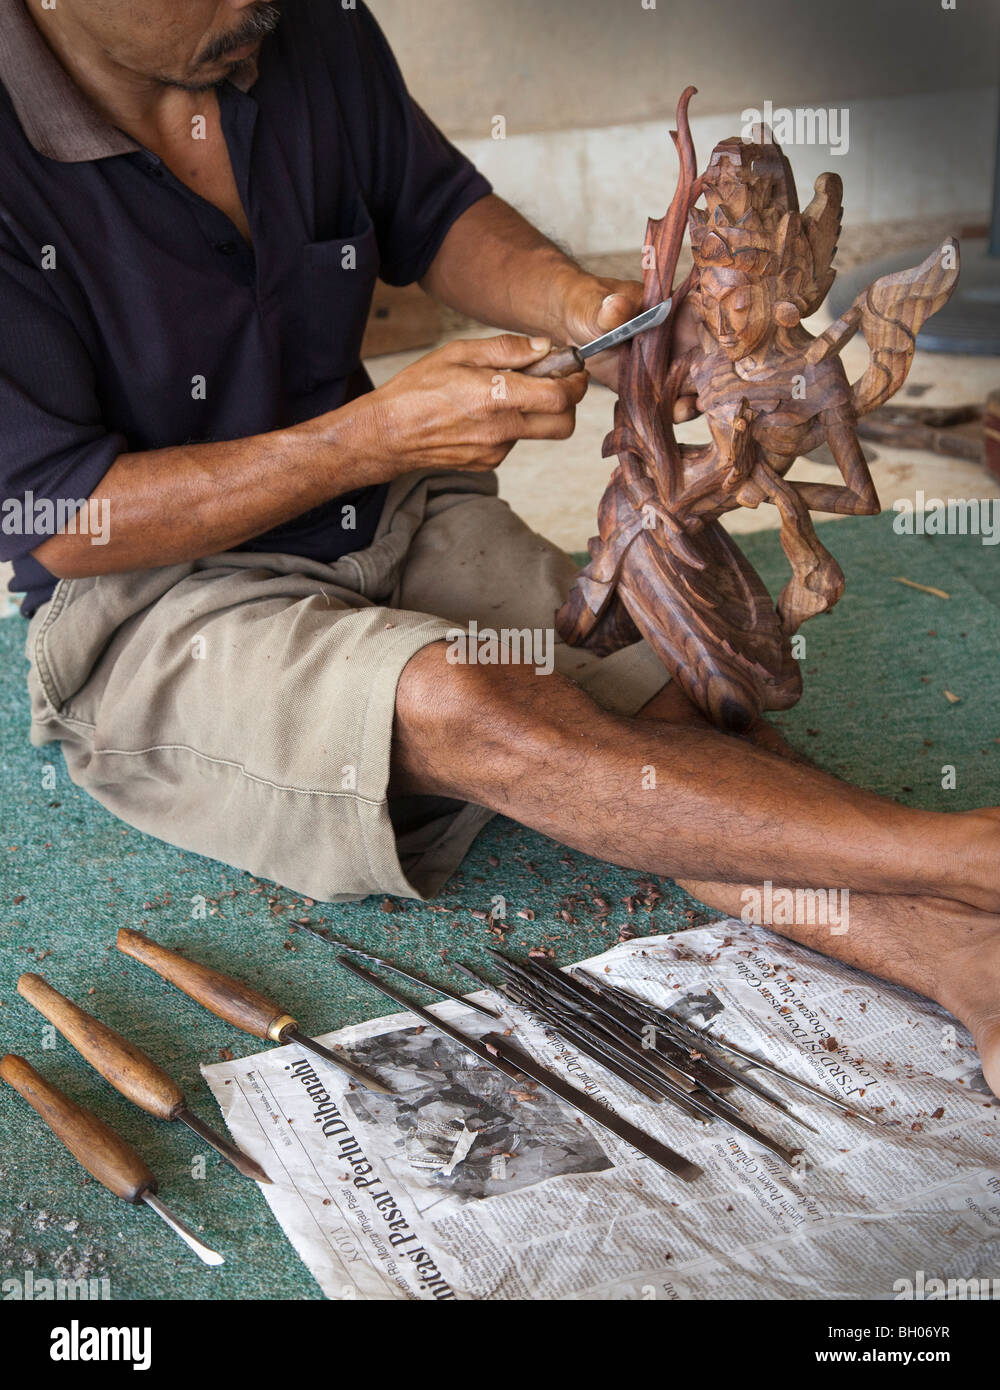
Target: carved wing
{"points": [[890, 314], [821, 223]]}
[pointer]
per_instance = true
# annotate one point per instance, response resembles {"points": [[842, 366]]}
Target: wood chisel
{"points": [[398, 970], [128, 1069], [236, 1002], [567, 360], [497, 1052], [97, 1147]]}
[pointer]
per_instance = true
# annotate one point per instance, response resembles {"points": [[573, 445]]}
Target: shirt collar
{"points": [[55, 115]]}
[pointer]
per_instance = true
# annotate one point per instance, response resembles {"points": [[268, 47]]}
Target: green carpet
{"points": [[874, 710]]}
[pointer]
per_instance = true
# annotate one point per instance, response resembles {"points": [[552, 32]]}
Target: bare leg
{"points": [[936, 947], [939, 948], [720, 811]]}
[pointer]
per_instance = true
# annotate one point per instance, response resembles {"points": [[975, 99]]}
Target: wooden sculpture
{"points": [[662, 566]]}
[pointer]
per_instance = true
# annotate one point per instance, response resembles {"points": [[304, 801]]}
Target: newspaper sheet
{"points": [[463, 1185]]}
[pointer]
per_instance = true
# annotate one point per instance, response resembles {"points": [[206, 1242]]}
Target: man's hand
{"points": [[597, 304], [465, 406]]}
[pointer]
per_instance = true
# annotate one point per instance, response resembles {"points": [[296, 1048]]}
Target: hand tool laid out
{"points": [[567, 360], [397, 970], [97, 1147], [128, 1069], [237, 1003], [499, 1052], [655, 1079], [702, 1038], [565, 1004]]}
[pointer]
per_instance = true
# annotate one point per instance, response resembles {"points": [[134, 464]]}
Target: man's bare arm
{"points": [[444, 411], [496, 267]]}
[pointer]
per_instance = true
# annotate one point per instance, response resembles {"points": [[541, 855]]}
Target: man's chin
{"points": [[214, 76]]}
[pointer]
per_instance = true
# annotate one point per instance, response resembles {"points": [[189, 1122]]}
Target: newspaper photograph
{"points": [[465, 1184]]}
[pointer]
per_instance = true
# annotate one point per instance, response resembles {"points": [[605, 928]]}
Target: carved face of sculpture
{"points": [[737, 310]]}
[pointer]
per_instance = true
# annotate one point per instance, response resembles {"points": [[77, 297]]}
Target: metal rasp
{"points": [[236, 1002], [128, 1068], [97, 1147], [567, 360]]}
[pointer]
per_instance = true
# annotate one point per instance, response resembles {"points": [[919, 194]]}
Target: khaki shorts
{"points": [[241, 706]]}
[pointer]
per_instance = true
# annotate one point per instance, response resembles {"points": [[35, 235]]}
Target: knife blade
{"points": [[567, 360]]}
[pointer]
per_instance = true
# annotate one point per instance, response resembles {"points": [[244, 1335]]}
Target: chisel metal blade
{"points": [[489, 1050], [203, 1251], [472, 1044], [351, 1069], [242, 1162], [700, 1037], [398, 970], [642, 323]]}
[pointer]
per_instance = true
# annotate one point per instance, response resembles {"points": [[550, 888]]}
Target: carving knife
{"points": [[97, 1147], [236, 1002], [128, 1069], [567, 360], [397, 970], [497, 1052]]}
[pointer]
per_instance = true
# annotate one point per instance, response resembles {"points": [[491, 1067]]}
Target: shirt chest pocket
{"points": [[338, 278]]}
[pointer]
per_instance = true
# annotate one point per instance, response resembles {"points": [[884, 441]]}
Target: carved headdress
{"points": [[751, 222]]}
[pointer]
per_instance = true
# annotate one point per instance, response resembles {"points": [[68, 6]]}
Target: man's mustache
{"points": [[256, 24]]}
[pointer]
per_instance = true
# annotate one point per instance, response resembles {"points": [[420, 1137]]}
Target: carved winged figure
{"points": [[662, 566]]}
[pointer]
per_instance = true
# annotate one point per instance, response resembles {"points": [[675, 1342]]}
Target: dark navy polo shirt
{"points": [[153, 322]]}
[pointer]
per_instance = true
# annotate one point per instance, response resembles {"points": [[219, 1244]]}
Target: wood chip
{"points": [[924, 588]]}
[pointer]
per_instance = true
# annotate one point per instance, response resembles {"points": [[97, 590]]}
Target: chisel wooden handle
{"points": [[237, 1003], [96, 1146], [562, 362], [127, 1068]]}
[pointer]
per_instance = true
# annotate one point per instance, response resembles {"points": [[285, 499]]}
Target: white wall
{"points": [[907, 156], [588, 90]]}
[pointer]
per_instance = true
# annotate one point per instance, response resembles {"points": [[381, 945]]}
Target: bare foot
{"points": [[943, 949], [971, 991]]}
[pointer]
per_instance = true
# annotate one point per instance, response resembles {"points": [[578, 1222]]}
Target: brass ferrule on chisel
{"points": [[279, 1026]]}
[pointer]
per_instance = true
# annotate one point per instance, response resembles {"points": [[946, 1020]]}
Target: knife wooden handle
{"points": [[237, 1003], [127, 1068], [562, 362], [96, 1146]]}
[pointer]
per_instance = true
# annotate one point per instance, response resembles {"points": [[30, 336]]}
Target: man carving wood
{"points": [[197, 199]]}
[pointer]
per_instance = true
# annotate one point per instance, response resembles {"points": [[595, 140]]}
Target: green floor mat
{"points": [[900, 685]]}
